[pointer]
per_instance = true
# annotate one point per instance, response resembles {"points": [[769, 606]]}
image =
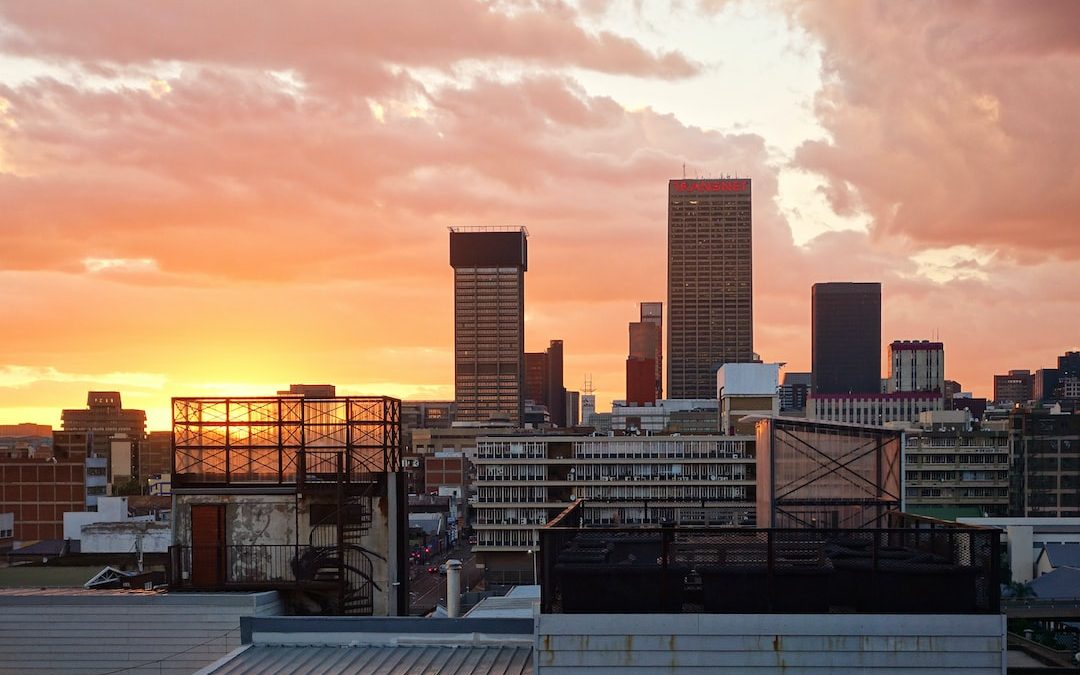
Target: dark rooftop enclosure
{"points": [[914, 566]]}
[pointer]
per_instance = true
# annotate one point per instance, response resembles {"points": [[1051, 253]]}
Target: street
{"points": [[427, 590]]}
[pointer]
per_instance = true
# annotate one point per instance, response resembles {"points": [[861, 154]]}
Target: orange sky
{"points": [[195, 202]]}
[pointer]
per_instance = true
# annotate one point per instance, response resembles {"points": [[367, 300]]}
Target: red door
{"points": [[208, 545]]}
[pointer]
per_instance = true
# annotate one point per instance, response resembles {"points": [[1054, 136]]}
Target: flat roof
{"points": [[370, 660]]}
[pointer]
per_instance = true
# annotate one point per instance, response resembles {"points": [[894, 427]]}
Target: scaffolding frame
{"points": [[284, 440]]}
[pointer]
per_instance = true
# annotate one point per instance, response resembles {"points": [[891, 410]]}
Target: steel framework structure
{"points": [[284, 440], [818, 474]]}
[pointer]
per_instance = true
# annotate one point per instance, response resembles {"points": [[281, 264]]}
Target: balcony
{"points": [[915, 566]]}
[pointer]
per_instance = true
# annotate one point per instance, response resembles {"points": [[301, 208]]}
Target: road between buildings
{"points": [[427, 590]]}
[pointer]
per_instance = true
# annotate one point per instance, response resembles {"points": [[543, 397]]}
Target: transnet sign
{"points": [[710, 185]]}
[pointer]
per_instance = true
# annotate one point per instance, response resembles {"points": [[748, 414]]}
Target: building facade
{"points": [[793, 392], [105, 418], [39, 486], [523, 482], [956, 469], [1015, 387], [489, 322], [916, 365], [710, 283], [846, 338], [544, 381], [646, 344], [292, 494], [874, 409], [1045, 472]]}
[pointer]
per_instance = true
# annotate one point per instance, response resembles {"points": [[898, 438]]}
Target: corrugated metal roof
{"points": [[411, 660]]}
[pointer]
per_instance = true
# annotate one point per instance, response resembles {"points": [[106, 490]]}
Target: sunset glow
{"points": [[195, 203]]}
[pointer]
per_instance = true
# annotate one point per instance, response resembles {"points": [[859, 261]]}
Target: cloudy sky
{"points": [[225, 197]]}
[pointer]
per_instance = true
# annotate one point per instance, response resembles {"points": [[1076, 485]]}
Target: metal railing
{"points": [[915, 566], [243, 566]]}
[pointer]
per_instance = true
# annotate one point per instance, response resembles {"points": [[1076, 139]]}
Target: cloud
{"points": [[275, 209], [951, 124], [12, 376], [330, 43]]}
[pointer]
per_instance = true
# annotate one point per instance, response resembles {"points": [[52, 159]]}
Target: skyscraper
{"points": [[544, 381], [646, 344], [489, 322], [846, 337], [710, 276]]}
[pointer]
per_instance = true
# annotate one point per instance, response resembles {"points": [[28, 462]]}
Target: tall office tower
{"points": [[916, 365], [544, 381], [556, 397], [646, 351], [537, 374], [710, 279], [846, 338], [653, 312], [489, 322]]}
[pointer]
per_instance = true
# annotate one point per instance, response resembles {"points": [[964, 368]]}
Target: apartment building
{"points": [[951, 470]]}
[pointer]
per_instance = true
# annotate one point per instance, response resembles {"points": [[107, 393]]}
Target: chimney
{"points": [[453, 588]]}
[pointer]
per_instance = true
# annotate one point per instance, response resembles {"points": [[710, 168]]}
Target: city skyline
{"points": [[197, 214]]}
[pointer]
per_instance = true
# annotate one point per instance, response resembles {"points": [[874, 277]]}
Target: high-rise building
{"points": [[544, 381], [916, 365], [710, 279], [653, 313], [1016, 387], [489, 322], [645, 386], [846, 337], [573, 408]]}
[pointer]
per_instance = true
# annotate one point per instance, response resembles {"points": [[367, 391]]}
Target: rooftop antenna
{"points": [[588, 388], [684, 170]]}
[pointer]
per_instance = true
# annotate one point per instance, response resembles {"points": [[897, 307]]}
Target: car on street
{"points": [[432, 569]]}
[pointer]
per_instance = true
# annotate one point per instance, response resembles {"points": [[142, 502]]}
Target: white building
{"points": [[523, 482], [916, 365], [654, 419], [746, 389], [873, 409]]}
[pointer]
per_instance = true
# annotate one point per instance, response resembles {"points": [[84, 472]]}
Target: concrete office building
{"points": [[105, 417], [1016, 387], [710, 283], [522, 482], [875, 409], [916, 365], [952, 470], [658, 419], [1045, 473], [846, 338], [489, 322]]}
